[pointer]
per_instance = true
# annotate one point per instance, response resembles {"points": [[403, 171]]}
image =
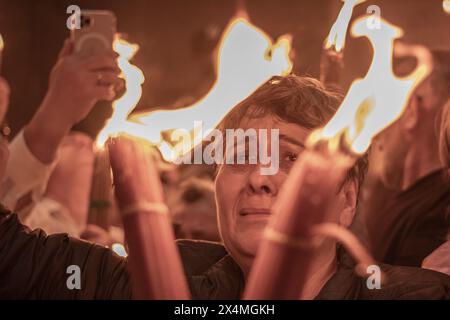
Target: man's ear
{"points": [[350, 193]]}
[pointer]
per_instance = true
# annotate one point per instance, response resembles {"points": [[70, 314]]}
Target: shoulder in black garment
{"points": [[414, 224], [33, 266], [398, 283]]}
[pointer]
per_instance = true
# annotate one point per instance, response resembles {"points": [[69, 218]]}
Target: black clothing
{"points": [[33, 266]]}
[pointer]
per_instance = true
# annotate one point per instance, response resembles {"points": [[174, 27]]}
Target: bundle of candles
{"points": [[154, 261], [101, 191]]}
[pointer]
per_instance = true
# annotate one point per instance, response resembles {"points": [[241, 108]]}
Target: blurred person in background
{"points": [[193, 209], [406, 228], [76, 84], [65, 202], [439, 259], [49, 172]]}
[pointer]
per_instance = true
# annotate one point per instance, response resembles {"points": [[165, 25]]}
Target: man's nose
{"points": [[261, 184]]}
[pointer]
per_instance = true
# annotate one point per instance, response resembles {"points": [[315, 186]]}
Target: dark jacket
{"points": [[33, 266], [414, 224]]}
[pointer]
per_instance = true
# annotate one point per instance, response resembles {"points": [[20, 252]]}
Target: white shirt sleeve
{"points": [[24, 174]]}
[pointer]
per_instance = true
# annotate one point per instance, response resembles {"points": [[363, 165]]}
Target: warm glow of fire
{"points": [[2, 44], [338, 32], [377, 100], [246, 58], [123, 106], [239, 73], [446, 6]]}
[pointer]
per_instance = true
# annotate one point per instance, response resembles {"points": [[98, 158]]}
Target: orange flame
{"points": [[239, 73], [2, 44], [123, 106], [338, 32], [446, 6], [377, 100]]}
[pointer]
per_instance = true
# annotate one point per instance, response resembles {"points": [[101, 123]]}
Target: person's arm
{"points": [[25, 174], [35, 266], [76, 84]]}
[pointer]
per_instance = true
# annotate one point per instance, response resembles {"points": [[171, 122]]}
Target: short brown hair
{"points": [[293, 99]]}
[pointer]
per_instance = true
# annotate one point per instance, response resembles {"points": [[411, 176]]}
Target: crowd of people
{"points": [[396, 198]]}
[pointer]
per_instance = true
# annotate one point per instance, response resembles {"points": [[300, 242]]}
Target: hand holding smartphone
{"points": [[96, 32]]}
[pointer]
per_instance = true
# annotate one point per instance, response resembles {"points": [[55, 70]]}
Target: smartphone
{"points": [[96, 32]]}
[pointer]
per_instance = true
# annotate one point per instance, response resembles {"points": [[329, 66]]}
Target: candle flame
{"points": [[446, 6], [338, 32], [377, 100], [123, 106], [2, 44], [246, 58]]}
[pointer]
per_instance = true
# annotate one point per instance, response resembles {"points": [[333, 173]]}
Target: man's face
{"points": [[390, 147], [244, 197], [387, 156]]}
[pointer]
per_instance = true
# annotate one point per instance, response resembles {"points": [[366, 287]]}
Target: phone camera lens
{"points": [[85, 21]]}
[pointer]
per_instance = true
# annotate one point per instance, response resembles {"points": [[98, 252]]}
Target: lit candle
{"points": [[446, 6], [153, 259]]}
